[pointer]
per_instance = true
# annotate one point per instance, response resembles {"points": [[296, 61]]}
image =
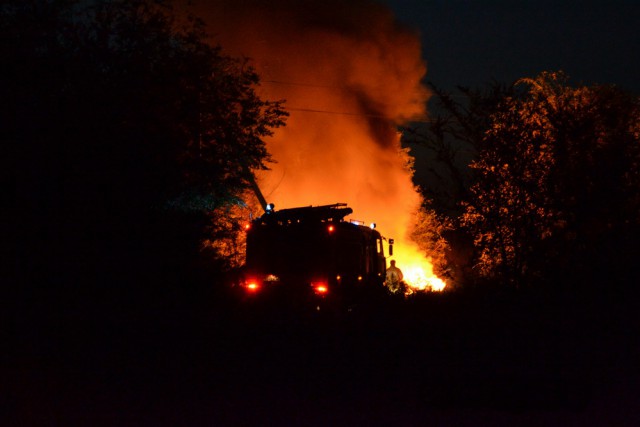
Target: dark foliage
{"points": [[125, 131], [552, 192]]}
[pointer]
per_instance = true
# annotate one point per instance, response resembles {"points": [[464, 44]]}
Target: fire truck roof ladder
{"points": [[334, 212]]}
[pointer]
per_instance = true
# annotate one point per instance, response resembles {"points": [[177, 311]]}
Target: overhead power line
{"points": [[280, 82], [326, 86], [345, 113], [339, 113]]}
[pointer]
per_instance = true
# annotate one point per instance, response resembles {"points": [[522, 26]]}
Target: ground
{"points": [[206, 357]]}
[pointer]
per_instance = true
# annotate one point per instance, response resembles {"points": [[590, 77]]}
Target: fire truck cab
{"points": [[312, 253]]}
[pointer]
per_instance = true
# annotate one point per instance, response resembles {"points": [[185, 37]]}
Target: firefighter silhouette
{"points": [[394, 278]]}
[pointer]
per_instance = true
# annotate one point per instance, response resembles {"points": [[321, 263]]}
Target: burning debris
{"points": [[349, 74]]}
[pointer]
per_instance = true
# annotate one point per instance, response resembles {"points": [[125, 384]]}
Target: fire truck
{"points": [[312, 254]]}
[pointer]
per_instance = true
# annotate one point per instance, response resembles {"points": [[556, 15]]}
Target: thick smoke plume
{"points": [[349, 74]]}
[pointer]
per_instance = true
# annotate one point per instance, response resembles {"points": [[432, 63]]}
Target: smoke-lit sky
{"points": [[470, 42], [350, 74]]}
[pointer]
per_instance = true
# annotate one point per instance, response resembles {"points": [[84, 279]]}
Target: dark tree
{"points": [[553, 190], [127, 133], [452, 138]]}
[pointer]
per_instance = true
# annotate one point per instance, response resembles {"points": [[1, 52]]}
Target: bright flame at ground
{"points": [[417, 271], [417, 279]]}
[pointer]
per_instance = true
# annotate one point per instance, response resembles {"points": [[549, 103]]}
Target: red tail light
{"points": [[320, 288], [252, 286]]}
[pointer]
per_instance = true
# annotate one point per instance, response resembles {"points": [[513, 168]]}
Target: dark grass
{"points": [[191, 352]]}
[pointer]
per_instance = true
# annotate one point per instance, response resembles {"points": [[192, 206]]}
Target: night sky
{"points": [[469, 43]]}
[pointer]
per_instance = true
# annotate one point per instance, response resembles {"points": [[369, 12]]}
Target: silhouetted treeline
{"points": [[544, 181], [124, 131]]}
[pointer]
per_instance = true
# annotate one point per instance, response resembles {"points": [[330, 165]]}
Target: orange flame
{"points": [[350, 74], [417, 270]]}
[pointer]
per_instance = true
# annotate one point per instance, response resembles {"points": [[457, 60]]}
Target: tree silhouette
{"points": [[554, 181], [552, 188], [128, 132], [453, 137]]}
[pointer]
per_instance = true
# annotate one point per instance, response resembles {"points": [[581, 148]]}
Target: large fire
{"points": [[418, 273], [349, 74]]}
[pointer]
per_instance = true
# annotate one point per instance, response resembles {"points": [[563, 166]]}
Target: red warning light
{"points": [[331, 228], [321, 289], [247, 226], [252, 286]]}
